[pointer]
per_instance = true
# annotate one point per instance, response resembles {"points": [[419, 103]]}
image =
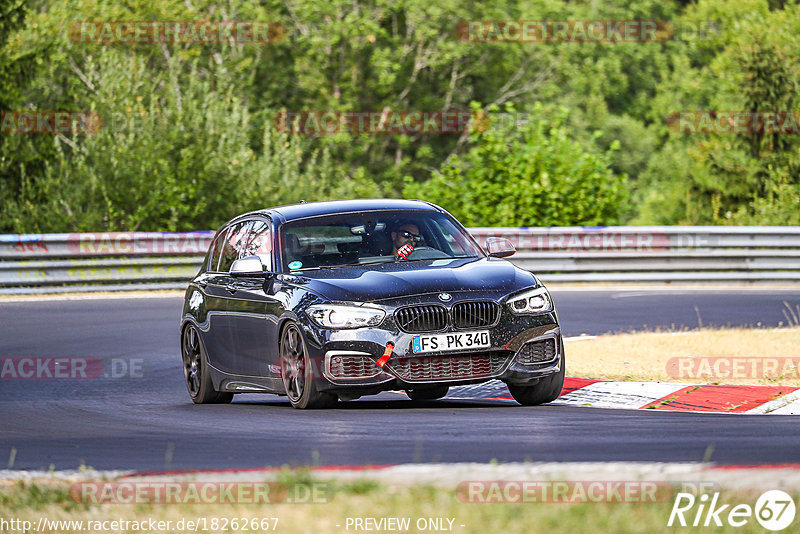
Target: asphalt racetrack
{"points": [[143, 418]]}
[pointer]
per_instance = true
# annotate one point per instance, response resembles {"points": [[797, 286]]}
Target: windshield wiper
{"points": [[379, 260]]}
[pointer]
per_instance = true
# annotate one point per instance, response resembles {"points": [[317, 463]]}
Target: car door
{"points": [[253, 307], [212, 283], [220, 292]]}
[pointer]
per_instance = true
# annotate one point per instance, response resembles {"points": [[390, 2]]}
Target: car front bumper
{"points": [[523, 350]]}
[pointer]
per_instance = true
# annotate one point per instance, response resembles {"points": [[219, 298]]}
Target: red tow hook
{"points": [[386, 354]]}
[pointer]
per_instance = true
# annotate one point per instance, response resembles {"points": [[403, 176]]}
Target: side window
{"points": [[216, 251], [233, 243], [259, 243]]}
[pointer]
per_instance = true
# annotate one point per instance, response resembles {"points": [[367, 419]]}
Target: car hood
{"points": [[398, 279]]}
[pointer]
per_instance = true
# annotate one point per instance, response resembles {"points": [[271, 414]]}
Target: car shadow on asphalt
{"points": [[396, 404]]}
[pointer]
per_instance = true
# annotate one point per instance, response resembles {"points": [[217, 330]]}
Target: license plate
{"points": [[452, 341]]}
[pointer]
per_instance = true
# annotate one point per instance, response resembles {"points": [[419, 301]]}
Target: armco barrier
{"points": [[37, 263], [656, 253], [107, 261]]}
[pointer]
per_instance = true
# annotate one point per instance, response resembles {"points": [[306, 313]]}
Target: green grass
{"points": [[653, 356], [22, 495], [367, 498]]}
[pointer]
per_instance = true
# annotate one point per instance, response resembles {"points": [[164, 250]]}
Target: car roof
{"points": [[313, 209]]}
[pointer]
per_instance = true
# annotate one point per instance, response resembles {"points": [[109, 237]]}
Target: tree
{"points": [[532, 176]]}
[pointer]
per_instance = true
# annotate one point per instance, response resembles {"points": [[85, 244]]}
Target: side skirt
{"points": [[245, 384]]}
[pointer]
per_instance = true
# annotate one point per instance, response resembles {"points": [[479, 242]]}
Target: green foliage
{"points": [[24, 495], [12, 65], [780, 205], [730, 178], [536, 176], [179, 149], [770, 86], [189, 141]]}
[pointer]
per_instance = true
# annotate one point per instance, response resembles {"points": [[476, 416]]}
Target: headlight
{"points": [[345, 316], [535, 301]]}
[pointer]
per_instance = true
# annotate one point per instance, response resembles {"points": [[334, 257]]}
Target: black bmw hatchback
{"points": [[330, 301]]}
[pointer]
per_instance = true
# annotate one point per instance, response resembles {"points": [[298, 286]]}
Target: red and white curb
{"points": [[661, 396]]}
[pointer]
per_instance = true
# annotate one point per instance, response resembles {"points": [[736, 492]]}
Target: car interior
{"points": [[354, 242]]}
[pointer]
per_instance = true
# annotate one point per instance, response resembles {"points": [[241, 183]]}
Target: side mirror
{"points": [[248, 266], [500, 247]]}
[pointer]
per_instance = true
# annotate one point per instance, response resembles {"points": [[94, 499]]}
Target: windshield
{"points": [[372, 237]]}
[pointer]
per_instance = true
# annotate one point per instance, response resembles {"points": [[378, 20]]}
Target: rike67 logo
{"points": [[774, 510]]}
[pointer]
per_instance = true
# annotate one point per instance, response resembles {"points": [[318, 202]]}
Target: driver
{"points": [[403, 239]]}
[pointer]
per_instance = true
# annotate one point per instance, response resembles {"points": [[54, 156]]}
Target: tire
{"points": [[428, 393], [297, 373], [196, 371], [545, 390]]}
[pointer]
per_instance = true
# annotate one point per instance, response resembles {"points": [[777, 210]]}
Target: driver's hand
{"points": [[404, 251]]}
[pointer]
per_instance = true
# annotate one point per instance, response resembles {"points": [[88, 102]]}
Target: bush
{"points": [[533, 175], [172, 157]]}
